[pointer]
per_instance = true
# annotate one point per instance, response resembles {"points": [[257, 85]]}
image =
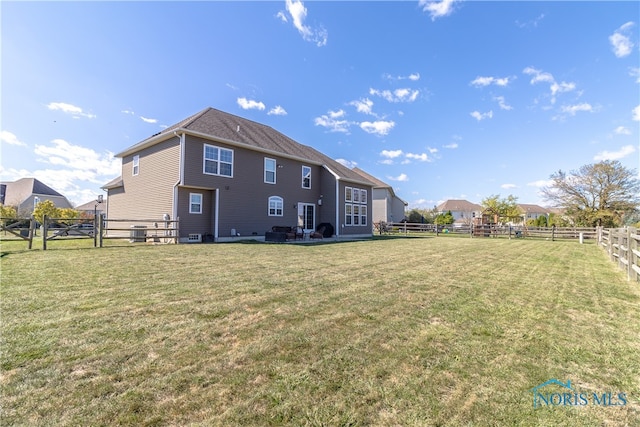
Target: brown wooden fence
{"points": [[623, 247], [98, 229], [551, 233]]}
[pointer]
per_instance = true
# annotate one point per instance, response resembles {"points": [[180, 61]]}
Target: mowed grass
{"points": [[395, 331]]}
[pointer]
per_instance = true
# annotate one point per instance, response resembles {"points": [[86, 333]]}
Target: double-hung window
{"points": [[195, 203], [269, 170], [218, 161], [276, 205], [306, 177], [136, 165]]}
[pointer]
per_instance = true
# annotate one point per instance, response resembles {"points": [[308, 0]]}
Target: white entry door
{"points": [[307, 216]]}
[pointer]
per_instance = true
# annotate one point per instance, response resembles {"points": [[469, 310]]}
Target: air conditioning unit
{"points": [[138, 233], [195, 238]]}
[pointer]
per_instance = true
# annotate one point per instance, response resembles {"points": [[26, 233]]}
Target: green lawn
{"points": [[392, 331]]}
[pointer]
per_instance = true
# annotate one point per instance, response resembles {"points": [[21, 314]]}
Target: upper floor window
{"points": [[363, 196], [218, 161], [195, 203], [269, 170], [306, 177], [136, 165], [276, 205], [348, 194]]}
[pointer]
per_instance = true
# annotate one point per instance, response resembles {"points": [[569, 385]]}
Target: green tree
{"points": [[67, 213], [501, 210], [421, 216], [596, 194], [445, 218], [47, 208], [8, 211]]}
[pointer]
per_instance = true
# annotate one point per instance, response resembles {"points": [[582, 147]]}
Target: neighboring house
{"points": [[463, 211], [225, 176], [387, 206], [25, 193], [93, 207], [532, 211]]}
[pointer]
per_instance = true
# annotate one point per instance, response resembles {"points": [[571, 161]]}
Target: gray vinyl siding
{"points": [[149, 194], [243, 198], [355, 229]]}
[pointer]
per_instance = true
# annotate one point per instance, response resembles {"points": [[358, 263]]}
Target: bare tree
{"points": [[596, 194]]}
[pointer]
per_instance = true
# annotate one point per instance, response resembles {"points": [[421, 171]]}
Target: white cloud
{"points": [[423, 157], [481, 116], [621, 130], [621, 41], [277, 111], [635, 114], [363, 105], [615, 155], [508, 186], [437, 9], [380, 127], [635, 72], [78, 158], [538, 75], [332, 121], [247, 104], [541, 183], [147, 120], [413, 77], [562, 87], [486, 81], [432, 150], [452, 146], [398, 95], [128, 112], [533, 23], [502, 103], [402, 177], [9, 138], [75, 112], [298, 14], [391, 154], [544, 77], [573, 109]]}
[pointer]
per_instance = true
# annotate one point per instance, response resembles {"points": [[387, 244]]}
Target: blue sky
{"points": [[442, 100]]}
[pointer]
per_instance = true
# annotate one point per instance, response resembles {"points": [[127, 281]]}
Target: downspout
{"points": [[337, 177], [181, 179]]}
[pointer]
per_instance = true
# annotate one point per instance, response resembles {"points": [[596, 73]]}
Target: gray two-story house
{"points": [[227, 177]]}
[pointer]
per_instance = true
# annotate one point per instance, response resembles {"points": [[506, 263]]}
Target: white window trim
{"points": [[135, 170], [363, 196], [276, 199], [348, 216], [275, 168], [308, 167], [219, 161], [348, 199], [191, 211]]}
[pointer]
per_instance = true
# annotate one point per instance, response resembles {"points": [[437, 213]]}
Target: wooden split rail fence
{"points": [[98, 229], [623, 247]]}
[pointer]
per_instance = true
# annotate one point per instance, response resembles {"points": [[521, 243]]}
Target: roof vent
{"points": [[238, 129]]}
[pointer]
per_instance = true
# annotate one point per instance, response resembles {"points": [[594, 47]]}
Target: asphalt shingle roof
{"points": [[219, 125]]}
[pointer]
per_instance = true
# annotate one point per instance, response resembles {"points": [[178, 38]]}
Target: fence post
{"points": [[32, 229], [45, 232], [633, 250], [629, 257], [100, 229]]}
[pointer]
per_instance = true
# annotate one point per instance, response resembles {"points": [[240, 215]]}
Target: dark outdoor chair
{"points": [[318, 234]]}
